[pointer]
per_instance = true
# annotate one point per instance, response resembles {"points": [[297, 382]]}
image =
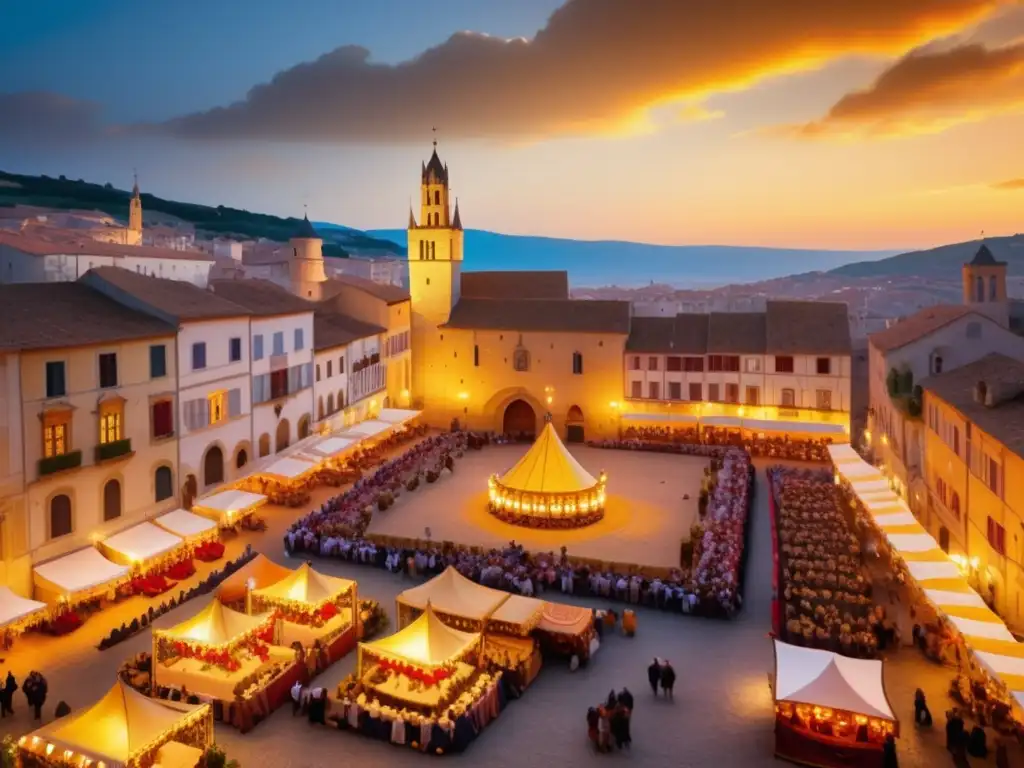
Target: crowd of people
{"points": [[825, 590], [35, 689], [756, 444], [608, 722]]}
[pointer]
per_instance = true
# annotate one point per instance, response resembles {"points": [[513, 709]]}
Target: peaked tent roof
{"points": [[548, 467], [261, 569], [216, 625], [452, 593], [304, 585], [427, 642], [116, 727], [825, 679]]}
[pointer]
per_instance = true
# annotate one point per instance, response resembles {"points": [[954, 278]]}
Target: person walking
{"points": [[654, 675], [922, 715], [889, 759], [7, 691], [668, 678], [35, 689]]}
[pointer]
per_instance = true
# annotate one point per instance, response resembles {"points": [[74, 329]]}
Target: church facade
{"points": [[502, 350]]}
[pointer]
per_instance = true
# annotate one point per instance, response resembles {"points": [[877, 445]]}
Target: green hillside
{"points": [[67, 194], [942, 262]]}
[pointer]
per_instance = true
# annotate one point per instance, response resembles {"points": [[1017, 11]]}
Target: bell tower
{"points": [[435, 270], [133, 235], [984, 286], [306, 265]]}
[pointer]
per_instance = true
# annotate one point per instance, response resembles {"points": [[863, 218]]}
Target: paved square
{"points": [[646, 517]]}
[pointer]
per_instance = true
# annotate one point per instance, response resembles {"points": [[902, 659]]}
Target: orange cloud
{"points": [[597, 67], [1009, 185], [928, 92]]}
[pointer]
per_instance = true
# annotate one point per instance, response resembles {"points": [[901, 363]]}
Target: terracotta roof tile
{"points": [[261, 297], [57, 315], [552, 315], [332, 329], [807, 328], [1004, 420], [515, 285], [390, 294], [736, 332], [918, 325], [175, 300], [685, 334], [84, 246]]}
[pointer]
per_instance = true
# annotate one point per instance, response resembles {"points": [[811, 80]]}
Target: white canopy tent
{"points": [[871, 487], [289, 467], [721, 421], [15, 608], [183, 523], [681, 418], [333, 446], [227, 505], [825, 679], [844, 453], [81, 572], [397, 415], [804, 427], [368, 429], [139, 543]]}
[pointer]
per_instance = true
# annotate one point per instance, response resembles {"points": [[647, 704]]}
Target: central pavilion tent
{"points": [[548, 483], [124, 729], [141, 545], [452, 594], [228, 506]]}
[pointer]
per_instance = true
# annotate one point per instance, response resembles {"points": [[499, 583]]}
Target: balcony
{"points": [[366, 380], [115, 450], [51, 465]]}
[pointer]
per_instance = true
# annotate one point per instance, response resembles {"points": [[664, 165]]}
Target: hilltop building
{"points": [[500, 350], [936, 340]]}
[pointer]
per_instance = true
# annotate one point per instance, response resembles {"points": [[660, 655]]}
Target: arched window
{"points": [[788, 398], [264, 445], [341, 399], [433, 251], [320, 408], [213, 466], [330, 403], [979, 290], [60, 516], [163, 483], [242, 459], [936, 363], [111, 500], [437, 197], [993, 293]]}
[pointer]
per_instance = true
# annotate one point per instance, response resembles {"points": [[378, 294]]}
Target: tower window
{"points": [[428, 281], [421, 250], [979, 290], [433, 251], [437, 197], [577, 363], [992, 289], [476, 355]]}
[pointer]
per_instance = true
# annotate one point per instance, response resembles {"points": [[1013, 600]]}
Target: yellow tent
{"points": [[548, 468], [215, 625], [452, 593], [428, 642], [119, 729], [304, 585]]}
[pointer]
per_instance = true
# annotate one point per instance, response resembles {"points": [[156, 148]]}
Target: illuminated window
{"points": [[218, 406], [111, 417], [56, 433]]}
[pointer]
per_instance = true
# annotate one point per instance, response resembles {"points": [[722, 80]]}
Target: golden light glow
{"points": [[550, 399], [463, 395], [613, 404], [885, 440]]}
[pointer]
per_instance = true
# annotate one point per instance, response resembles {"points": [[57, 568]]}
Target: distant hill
{"points": [[66, 194], [943, 262], [600, 263]]}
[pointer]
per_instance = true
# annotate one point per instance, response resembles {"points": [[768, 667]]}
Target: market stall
{"points": [[397, 415], [567, 630], [369, 430], [831, 711], [796, 429], [259, 572], [509, 642], [194, 529], [219, 653], [461, 602], [78, 577], [333, 447], [547, 488], [228, 507], [423, 667], [143, 546], [18, 614], [314, 608], [124, 729]]}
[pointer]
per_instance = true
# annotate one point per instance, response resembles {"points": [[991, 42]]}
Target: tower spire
{"points": [[457, 219], [135, 182]]}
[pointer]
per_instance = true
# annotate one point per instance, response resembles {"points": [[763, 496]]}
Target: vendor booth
{"points": [[567, 630], [547, 488], [18, 614], [424, 667], [333, 447], [144, 546], [289, 471], [314, 607], [221, 654], [124, 729], [831, 711], [194, 529], [78, 577], [397, 415], [462, 602], [369, 430], [228, 507], [259, 572]]}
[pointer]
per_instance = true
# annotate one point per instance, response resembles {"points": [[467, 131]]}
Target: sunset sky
{"points": [[841, 124]]}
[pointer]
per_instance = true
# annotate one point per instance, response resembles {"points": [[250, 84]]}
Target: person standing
{"points": [[668, 678], [7, 692], [626, 699], [889, 759], [654, 675]]}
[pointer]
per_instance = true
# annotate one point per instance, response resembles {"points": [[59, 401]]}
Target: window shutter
{"points": [[234, 403], [204, 412], [307, 369], [293, 379]]}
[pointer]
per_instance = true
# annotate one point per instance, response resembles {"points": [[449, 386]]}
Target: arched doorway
{"points": [[241, 459], [213, 466], [189, 491], [283, 435], [520, 420], [574, 425], [304, 427], [264, 445]]}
